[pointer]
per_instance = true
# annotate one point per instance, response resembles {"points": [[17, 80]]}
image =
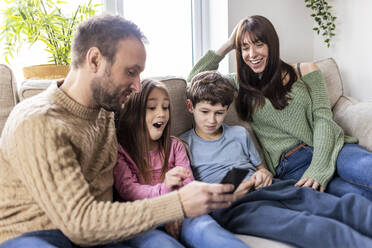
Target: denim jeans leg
{"points": [[339, 187], [354, 167], [153, 238], [295, 165], [301, 216], [205, 232], [38, 239]]}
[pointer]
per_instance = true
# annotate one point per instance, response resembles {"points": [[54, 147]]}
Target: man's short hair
{"points": [[103, 32], [212, 87]]}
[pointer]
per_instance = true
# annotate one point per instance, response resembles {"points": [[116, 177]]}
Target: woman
{"points": [[289, 111]]}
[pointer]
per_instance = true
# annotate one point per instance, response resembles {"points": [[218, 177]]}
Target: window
{"points": [[173, 28], [167, 26]]}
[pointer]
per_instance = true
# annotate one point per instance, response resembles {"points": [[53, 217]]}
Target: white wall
{"points": [[352, 46], [218, 28], [291, 20]]}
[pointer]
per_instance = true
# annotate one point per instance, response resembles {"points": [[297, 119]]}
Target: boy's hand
{"points": [[174, 228], [244, 187], [198, 198], [262, 177], [175, 176]]}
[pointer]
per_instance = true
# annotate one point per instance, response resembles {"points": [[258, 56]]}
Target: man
{"points": [[58, 150]]}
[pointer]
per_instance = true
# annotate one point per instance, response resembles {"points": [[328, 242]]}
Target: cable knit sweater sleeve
{"points": [[328, 137], [52, 174]]}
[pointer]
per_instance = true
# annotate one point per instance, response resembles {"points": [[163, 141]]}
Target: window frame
{"points": [[199, 23]]}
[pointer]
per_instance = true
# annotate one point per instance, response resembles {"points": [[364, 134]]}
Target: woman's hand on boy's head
{"points": [[244, 187], [174, 177], [262, 178]]}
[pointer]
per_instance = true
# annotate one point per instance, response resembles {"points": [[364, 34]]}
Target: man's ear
{"points": [[94, 59], [189, 106]]}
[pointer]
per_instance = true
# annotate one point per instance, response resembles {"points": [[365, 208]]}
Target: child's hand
{"points": [[175, 176], [244, 187], [262, 178], [174, 228]]}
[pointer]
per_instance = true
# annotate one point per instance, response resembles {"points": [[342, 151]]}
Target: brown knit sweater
{"points": [[56, 172]]}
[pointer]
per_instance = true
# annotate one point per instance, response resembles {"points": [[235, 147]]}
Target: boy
{"points": [[296, 215]]}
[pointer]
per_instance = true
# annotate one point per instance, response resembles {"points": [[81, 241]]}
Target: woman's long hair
{"points": [[254, 88], [134, 136]]}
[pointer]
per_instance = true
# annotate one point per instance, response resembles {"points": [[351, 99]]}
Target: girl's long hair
{"points": [[254, 88], [134, 136]]}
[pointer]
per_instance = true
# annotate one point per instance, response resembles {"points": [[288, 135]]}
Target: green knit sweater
{"points": [[307, 118]]}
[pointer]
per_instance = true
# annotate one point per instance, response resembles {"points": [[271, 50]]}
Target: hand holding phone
{"points": [[235, 176]]}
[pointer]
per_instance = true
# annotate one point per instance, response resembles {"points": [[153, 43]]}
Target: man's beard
{"points": [[105, 99]]}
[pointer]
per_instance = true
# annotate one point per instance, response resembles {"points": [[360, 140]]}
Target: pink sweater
{"points": [[127, 180]]}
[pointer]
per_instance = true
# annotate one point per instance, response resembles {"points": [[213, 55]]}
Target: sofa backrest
{"points": [[181, 119], [8, 93], [332, 78]]}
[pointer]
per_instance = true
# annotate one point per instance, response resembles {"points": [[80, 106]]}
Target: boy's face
{"points": [[208, 118]]}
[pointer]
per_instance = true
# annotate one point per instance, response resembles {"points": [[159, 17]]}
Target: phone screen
{"points": [[235, 176]]}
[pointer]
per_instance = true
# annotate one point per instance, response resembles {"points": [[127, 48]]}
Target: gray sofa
{"points": [[353, 116]]}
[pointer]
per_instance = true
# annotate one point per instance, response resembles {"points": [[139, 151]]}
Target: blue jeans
{"points": [[198, 232], [202, 231], [353, 170], [301, 216], [49, 239], [152, 237]]}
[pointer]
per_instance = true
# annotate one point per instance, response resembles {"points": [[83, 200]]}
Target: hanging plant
{"points": [[325, 21]]}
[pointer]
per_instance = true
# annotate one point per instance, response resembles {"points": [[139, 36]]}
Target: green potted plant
{"points": [[29, 21]]}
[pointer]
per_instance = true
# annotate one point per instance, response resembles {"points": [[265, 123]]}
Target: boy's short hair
{"points": [[212, 87]]}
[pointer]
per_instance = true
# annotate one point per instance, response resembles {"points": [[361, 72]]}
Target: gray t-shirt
{"points": [[212, 159]]}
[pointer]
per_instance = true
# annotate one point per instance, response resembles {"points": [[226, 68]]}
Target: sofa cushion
{"points": [[32, 87], [332, 79], [181, 120], [8, 94], [355, 118]]}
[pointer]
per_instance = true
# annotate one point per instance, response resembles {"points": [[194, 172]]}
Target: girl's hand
{"points": [[262, 178], [175, 176], [309, 182], [174, 228], [244, 187]]}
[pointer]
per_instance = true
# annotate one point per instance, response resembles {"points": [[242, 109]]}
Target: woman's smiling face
{"points": [[255, 53]]}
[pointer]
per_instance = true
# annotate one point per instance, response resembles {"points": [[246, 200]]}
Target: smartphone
{"points": [[235, 176]]}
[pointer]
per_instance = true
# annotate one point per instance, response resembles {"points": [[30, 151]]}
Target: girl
{"points": [[152, 163], [290, 113]]}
